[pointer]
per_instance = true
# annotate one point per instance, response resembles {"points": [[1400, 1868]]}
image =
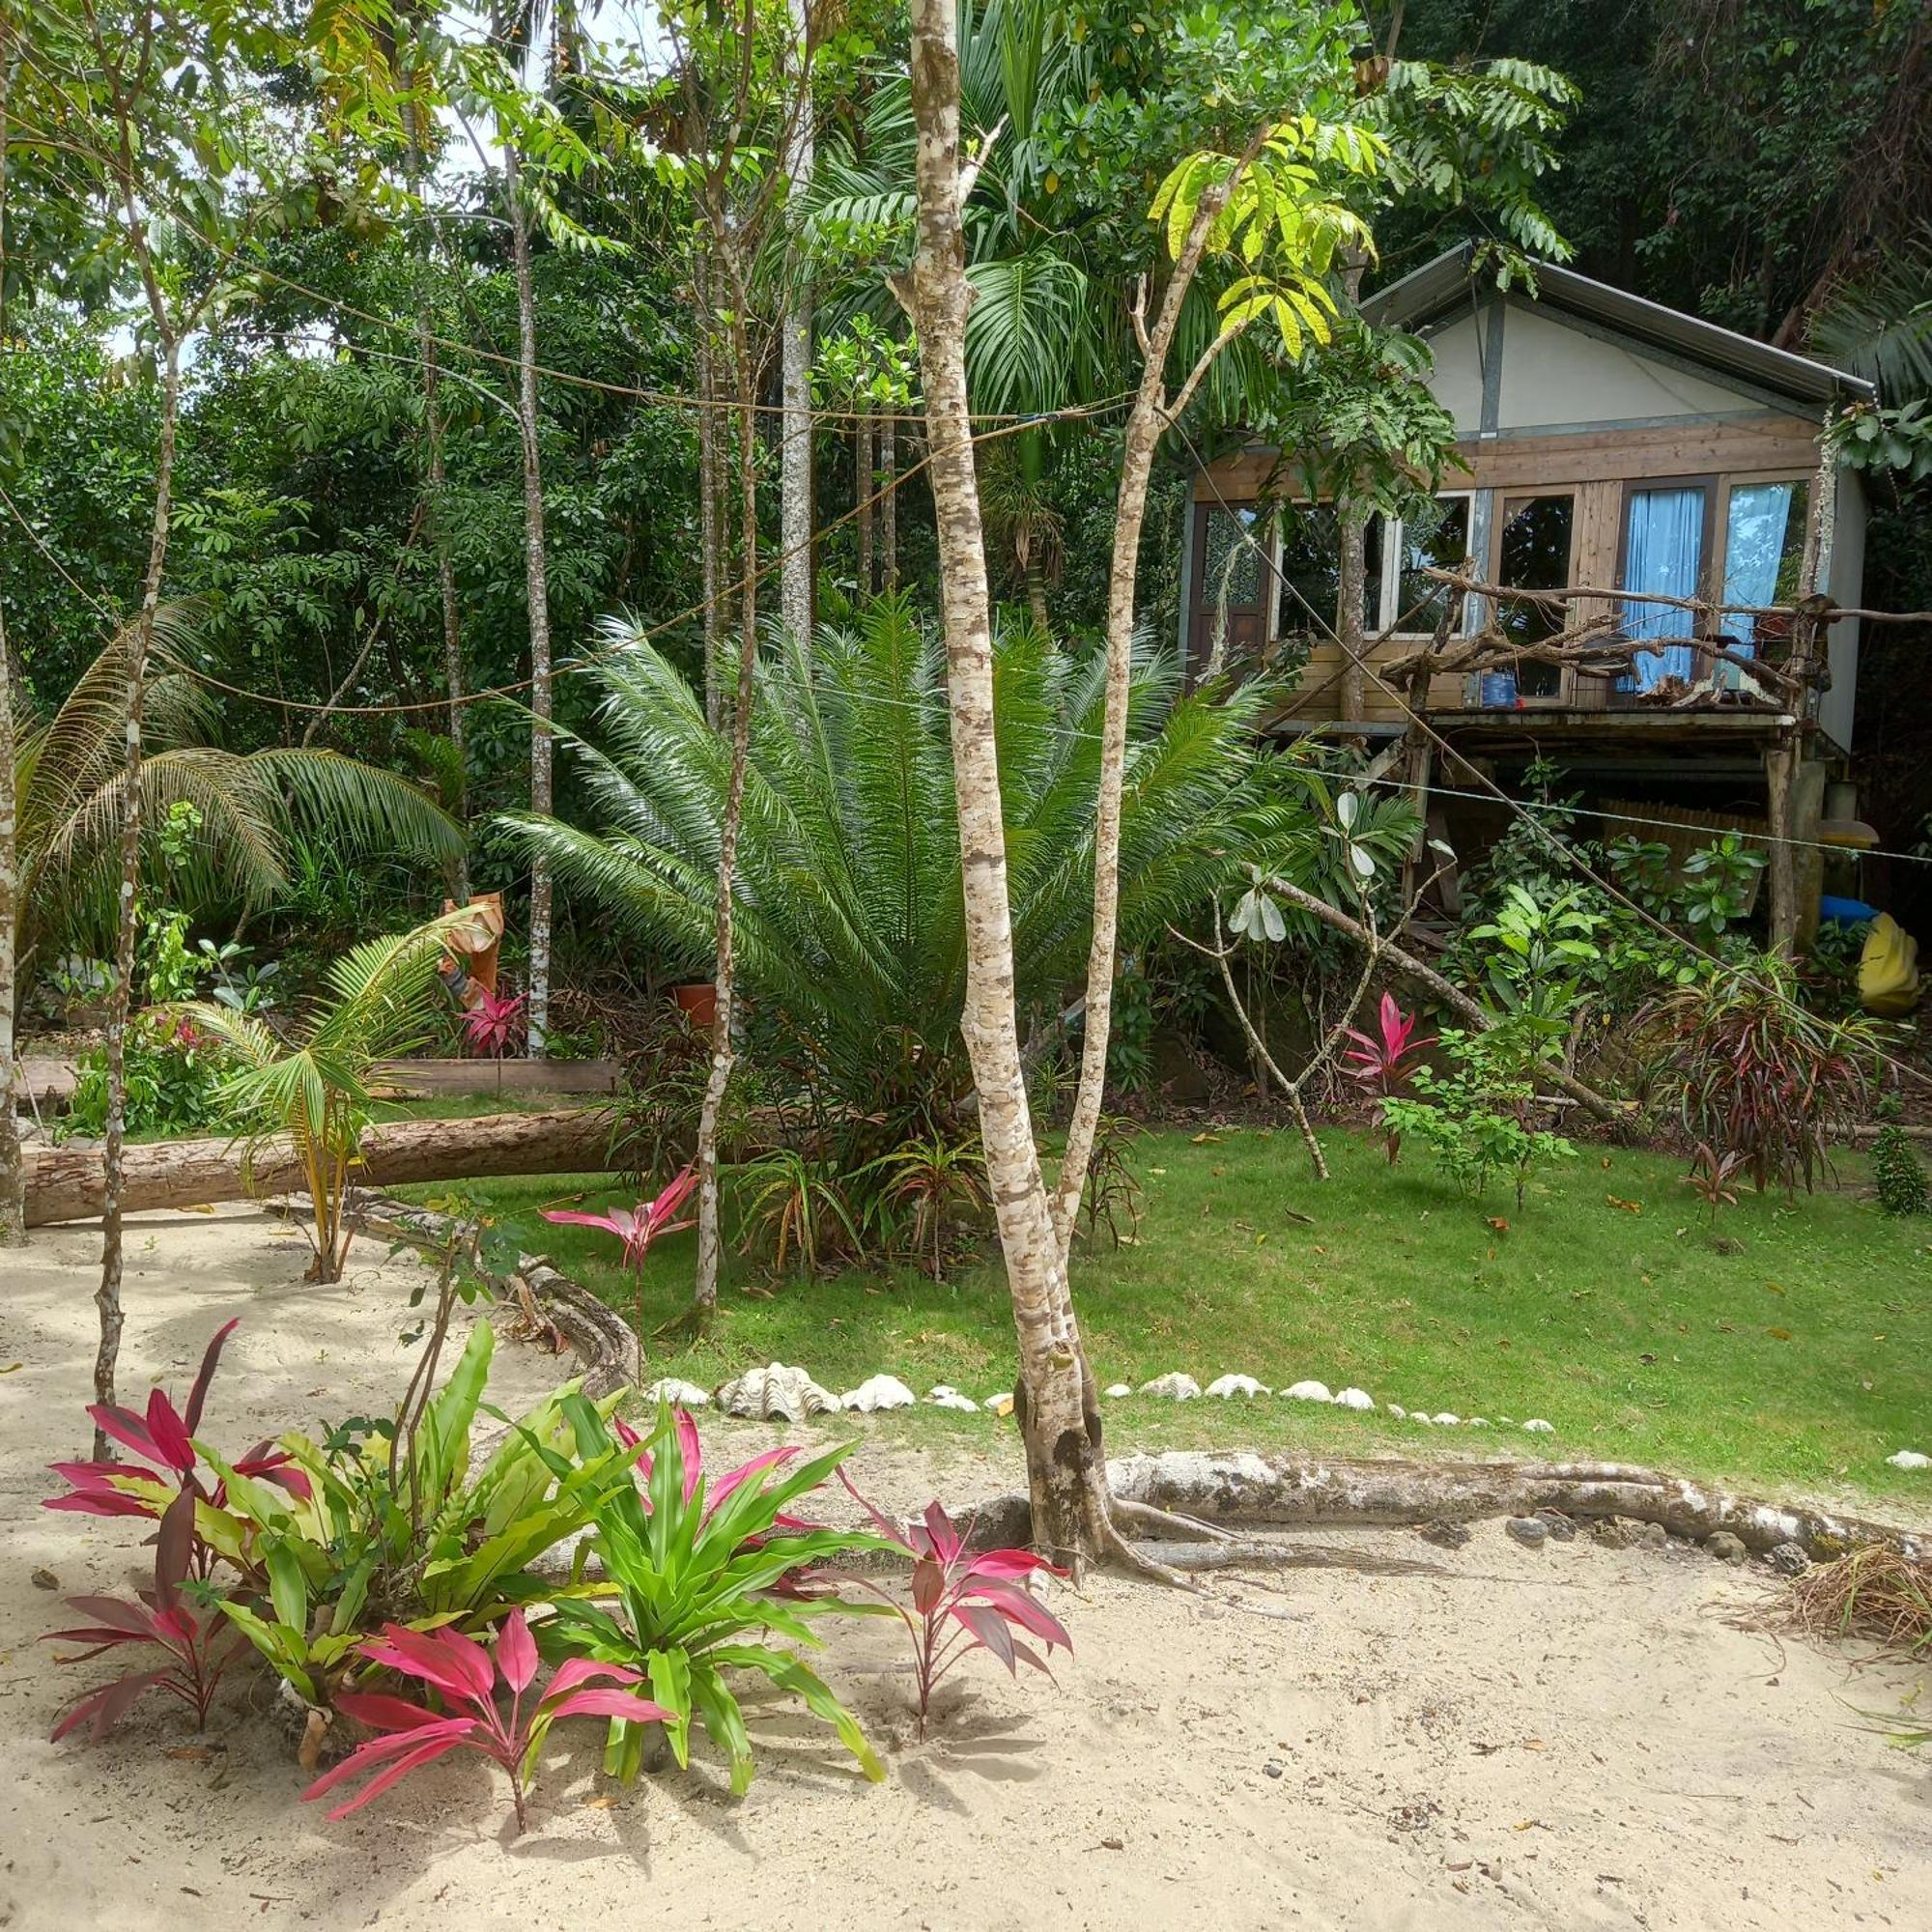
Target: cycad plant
{"points": [[250, 804], [849, 936], [311, 1081]]}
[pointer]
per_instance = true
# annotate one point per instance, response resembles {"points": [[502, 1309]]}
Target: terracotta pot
{"points": [[698, 1003]]}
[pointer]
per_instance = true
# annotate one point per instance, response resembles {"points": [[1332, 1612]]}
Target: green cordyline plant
{"points": [[700, 1575], [311, 1082], [1757, 1076]]}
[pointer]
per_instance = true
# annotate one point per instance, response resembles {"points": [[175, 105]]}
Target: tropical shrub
{"points": [[1756, 1074], [251, 809], [848, 936], [1386, 1064], [316, 1545], [462, 1673], [311, 1081], [963, 1600], [793, 1211], [1711, 1175], [1113, 1188], [698, 1577], [1897, 1172], [197, 1645], [637, 1228], [498, 1024], [176, 1076], [926, 1188], [1476, 1118]]}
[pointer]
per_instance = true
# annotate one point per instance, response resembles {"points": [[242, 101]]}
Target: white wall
{"points": [[1557, 375], [1845, 583]]}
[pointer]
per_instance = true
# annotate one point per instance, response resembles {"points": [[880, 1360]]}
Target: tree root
{"points": [[1286, 1490], [1163, 1526]]}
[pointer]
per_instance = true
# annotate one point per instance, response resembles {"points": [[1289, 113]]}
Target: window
{"points": [[1310, 568], [1533, 543], [1437, 538], [1663, 552], [1764, 549]]}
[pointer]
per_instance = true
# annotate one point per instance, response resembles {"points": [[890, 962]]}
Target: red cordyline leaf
{"points": [[446, 1658]]}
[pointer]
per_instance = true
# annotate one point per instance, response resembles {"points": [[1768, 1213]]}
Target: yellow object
{"points": [[1889, 969]]}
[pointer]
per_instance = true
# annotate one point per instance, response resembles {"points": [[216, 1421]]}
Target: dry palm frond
{"points": [[1871, 1592]]}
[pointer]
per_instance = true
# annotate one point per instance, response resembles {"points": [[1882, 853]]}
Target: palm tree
{"points": [[70, 776], [311, 1081], [850, 926]]}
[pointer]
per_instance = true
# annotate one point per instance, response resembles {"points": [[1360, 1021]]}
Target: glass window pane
{"points": [[1764, 549], [1437, 538], [1533, 553], [1233, 575], [1311, 567]]}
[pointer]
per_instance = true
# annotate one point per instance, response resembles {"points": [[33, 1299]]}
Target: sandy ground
{"points": [[1393, 1736]]}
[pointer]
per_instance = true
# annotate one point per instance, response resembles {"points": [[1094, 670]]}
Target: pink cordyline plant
{"points": [[963, 1600], [639, 1225], [1384, 1066], [495, 1024], [637, 1228], [165, 1436], [462, 1673]]}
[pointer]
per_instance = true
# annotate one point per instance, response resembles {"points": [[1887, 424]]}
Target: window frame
{"points": [[1390, 587], [1720, 569]]}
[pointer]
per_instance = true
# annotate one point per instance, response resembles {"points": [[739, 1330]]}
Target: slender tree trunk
{"points": [[709, 1237], [863, 482], [13, 1175], [1351, 627], [796, 574], [889, 501], [536, 577], [1035, 589], [1053, 1402], [114, 1136], [709, 508], [445, 564], [1147, 422]]}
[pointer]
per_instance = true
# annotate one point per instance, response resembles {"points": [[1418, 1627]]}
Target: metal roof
{"points": [[1427, 293]]}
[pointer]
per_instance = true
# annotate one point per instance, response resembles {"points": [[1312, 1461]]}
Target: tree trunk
{"points": [[446, 562], [1053, 1403], [114, 1138], [889, 501], [1036, 590], [1145, 423], [863, 482], [12, 1178], [67, 1184], [723, 1053], [795, 508], [709, 508], [1351, 625], [536, 580]]}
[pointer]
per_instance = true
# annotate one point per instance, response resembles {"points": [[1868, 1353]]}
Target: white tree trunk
{"points": [[1148, 422], [446, 562], [114, 1135], [710, 1239], [795, 579], [1053, 1407], [536, 580]]}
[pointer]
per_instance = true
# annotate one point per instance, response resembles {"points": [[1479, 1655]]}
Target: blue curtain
{"points": [[1664, 553], [1753, 547]]}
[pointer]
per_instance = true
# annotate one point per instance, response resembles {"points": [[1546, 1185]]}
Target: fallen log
{"points": [[65, 1184], [1293, 1491]]}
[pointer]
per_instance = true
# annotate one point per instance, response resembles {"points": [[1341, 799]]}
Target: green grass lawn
{"points": [[1797, 1360]]}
